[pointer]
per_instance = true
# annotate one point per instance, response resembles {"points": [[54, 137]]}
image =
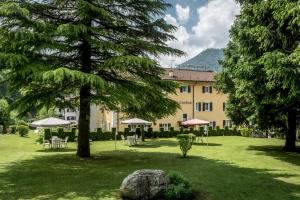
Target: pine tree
{"points": [[261, 70], [66, 52]]}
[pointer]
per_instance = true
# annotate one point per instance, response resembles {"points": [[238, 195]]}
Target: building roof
{"points": [[189, 75]]}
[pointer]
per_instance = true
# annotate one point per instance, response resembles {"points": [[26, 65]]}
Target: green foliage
{"points": [[185, 142], [246, 132], [178, 189], [46, 112], [4, 114], [261, 69], [121, 71], [23, 130]]}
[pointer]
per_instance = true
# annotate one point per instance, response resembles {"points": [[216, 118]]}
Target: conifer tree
{"points": [[79, 52]]}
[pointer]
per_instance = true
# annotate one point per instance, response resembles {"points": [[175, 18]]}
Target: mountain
{"points": [[207, 60]]}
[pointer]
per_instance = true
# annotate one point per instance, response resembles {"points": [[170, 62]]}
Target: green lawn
{"points": [[229, 168]]}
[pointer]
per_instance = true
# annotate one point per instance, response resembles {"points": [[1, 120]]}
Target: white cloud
{"points": [[183, 14], [215, 20], [211, 31], [182, 43]]}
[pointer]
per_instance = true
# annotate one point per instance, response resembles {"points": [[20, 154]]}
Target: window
{"points": [[184, 117], [185, 89], [207, 107], [165, 126], [198, 107], [206, 89], [227, 123], [212, 124], [71, 118]]}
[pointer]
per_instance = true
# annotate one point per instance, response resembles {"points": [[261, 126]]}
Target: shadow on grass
{"points": [[47, 150], [157, 143], [277, 153], [65, 176], [209, 144]]}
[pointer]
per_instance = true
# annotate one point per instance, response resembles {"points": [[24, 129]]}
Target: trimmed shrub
{"points": [[149, 133], [72, 135], [245, 132], [178, 189], [23, 130], [185, 142]]}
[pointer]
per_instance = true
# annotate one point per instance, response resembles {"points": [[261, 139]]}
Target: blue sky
{"points": [[192, 4], [201, 24]]}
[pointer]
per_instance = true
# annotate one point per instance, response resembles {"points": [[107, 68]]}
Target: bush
{"points": [[22, 122], [13, 129], [245, 132], [23, 130], [178, 189], [185, 142]]}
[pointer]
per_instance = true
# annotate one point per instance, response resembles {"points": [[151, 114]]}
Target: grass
{"points": [[229, 168]]}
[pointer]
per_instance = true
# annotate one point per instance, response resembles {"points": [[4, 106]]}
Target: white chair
{"points": [[46, 143], [123, 139], [65, 142]]}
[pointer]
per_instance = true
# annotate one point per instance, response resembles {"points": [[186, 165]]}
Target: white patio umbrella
{"points": [[50, 122], [136, 121]]}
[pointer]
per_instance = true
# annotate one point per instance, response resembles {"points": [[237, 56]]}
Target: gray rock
{"points": [[143, 184]]}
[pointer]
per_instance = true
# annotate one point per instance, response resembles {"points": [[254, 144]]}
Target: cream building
{"points": [[196, 96]]}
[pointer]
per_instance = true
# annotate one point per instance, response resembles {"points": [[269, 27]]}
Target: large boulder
{"points": [[143, 184]]}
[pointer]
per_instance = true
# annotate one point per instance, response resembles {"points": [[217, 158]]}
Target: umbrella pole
{"points": [[116, 139]]}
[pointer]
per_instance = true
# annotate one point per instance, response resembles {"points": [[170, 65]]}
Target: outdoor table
{"points": [[55, 142], [131, 140]]}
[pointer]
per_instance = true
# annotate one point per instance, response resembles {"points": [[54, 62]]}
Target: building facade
{"points": [[196, 97]]}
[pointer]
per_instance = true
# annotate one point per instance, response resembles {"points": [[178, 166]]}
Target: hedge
{"points": [[99, 135], [61, 133]]}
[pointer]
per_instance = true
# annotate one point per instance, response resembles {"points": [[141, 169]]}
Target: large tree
{"points": [[78, 52], [261, 70]]}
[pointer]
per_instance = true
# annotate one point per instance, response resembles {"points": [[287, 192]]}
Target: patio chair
{"points": [[139, 140], [46, 143], [123, 139], [64, 142]]}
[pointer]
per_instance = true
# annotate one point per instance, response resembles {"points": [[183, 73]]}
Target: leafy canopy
{"points": [[261, 69], [44, 46]]}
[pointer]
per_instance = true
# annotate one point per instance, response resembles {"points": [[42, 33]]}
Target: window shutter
{"points": [[203, 106], [169, 125], [223, 123], [180, 89], [203, 89], [199, 106], [210, 89], [211, 106], [189, 89]]}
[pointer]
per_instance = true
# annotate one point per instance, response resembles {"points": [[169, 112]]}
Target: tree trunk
{"points": [[290, 140], [83, 149]]}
